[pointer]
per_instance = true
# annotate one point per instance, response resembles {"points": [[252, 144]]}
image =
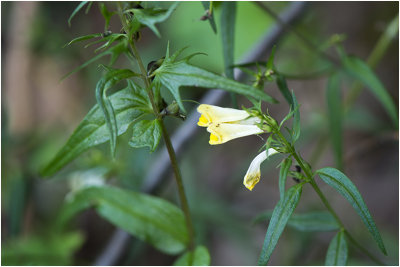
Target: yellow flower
{"points": [[213, 114], [226, 124], [253, 174]]}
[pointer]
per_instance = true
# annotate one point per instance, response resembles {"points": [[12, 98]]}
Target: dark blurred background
{"points": [[39, 113]]}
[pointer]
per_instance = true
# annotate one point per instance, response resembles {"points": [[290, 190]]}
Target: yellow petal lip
{"points": [[203, 121], [251, 181], [214, 140]]}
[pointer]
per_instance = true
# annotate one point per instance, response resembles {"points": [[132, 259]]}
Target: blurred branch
{"points": [[161, 167]]}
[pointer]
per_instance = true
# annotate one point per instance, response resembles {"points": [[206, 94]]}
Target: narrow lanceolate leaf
{"points": [[228, 20], [317, 221], [359, 70], [200, 257], [287, 163], [337, 251], [335, 114], [283, 88], [129, 104], [282, 212], [176, 74], [151, 219], [105, 83], [76, 10], [114, 52], [296, 119], [151, 16], [206, 5], [346, 188], [83, 38], [146, 133]]}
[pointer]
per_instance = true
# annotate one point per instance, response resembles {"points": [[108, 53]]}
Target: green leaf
{"points": [[283, 88], [42, 249], [114, 52], [83, 38], [282, 212], [296, 119], [105, 83], [176, 74], [129, 104], [359, 70], [206, 5], [146, 133], [200, 257], [317, 221], [270, 63], [106, 14], [337, 251], [76, 10], [151, 16], [335, 114], [346, 188], [151, 219], [287, 163], [228, 20]]}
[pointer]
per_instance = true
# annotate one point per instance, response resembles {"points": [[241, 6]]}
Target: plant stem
{"points": [[179, 182], [167, 140]]}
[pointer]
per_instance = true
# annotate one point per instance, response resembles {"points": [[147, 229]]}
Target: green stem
{"points": [[167, 140], [179, 182]]}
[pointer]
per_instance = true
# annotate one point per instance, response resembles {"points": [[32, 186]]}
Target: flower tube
{"points": [[213, 115], [253, 174], [224, 132]]}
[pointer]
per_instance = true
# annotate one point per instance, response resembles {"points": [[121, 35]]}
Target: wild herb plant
{"points": [[141, 109]]}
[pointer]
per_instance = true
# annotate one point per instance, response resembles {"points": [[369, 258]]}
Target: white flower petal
{"points": [[224, 132], [253, 174]]}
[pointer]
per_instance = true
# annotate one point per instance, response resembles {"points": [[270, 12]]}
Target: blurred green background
{"points": [[39, 113]]}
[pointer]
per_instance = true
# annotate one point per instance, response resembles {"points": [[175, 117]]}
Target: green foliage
{"points": [[110, 79], [106, 14], [209, 14], [346, 188], [47, 249], [76, 10], [280, 216], [129, 105], [337, 251], [200, 257], [358, 69], [151, 16], [174, 74], [146, 133], [114, 52], [335, 114], [283, 88], [151, 219], [283, 172], [317, 221], [296, 120], [84, 38]]}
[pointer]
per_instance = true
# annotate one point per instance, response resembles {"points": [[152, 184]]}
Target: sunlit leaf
{"points": [[346, 188], [335, 114], [76, 10], [129, 104], [359, 70], [151, 219], [146, 133], [200, 257], [337, 251], [176, 74], [287, 163], [151, 16], [280, 216], [317, 221]]}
